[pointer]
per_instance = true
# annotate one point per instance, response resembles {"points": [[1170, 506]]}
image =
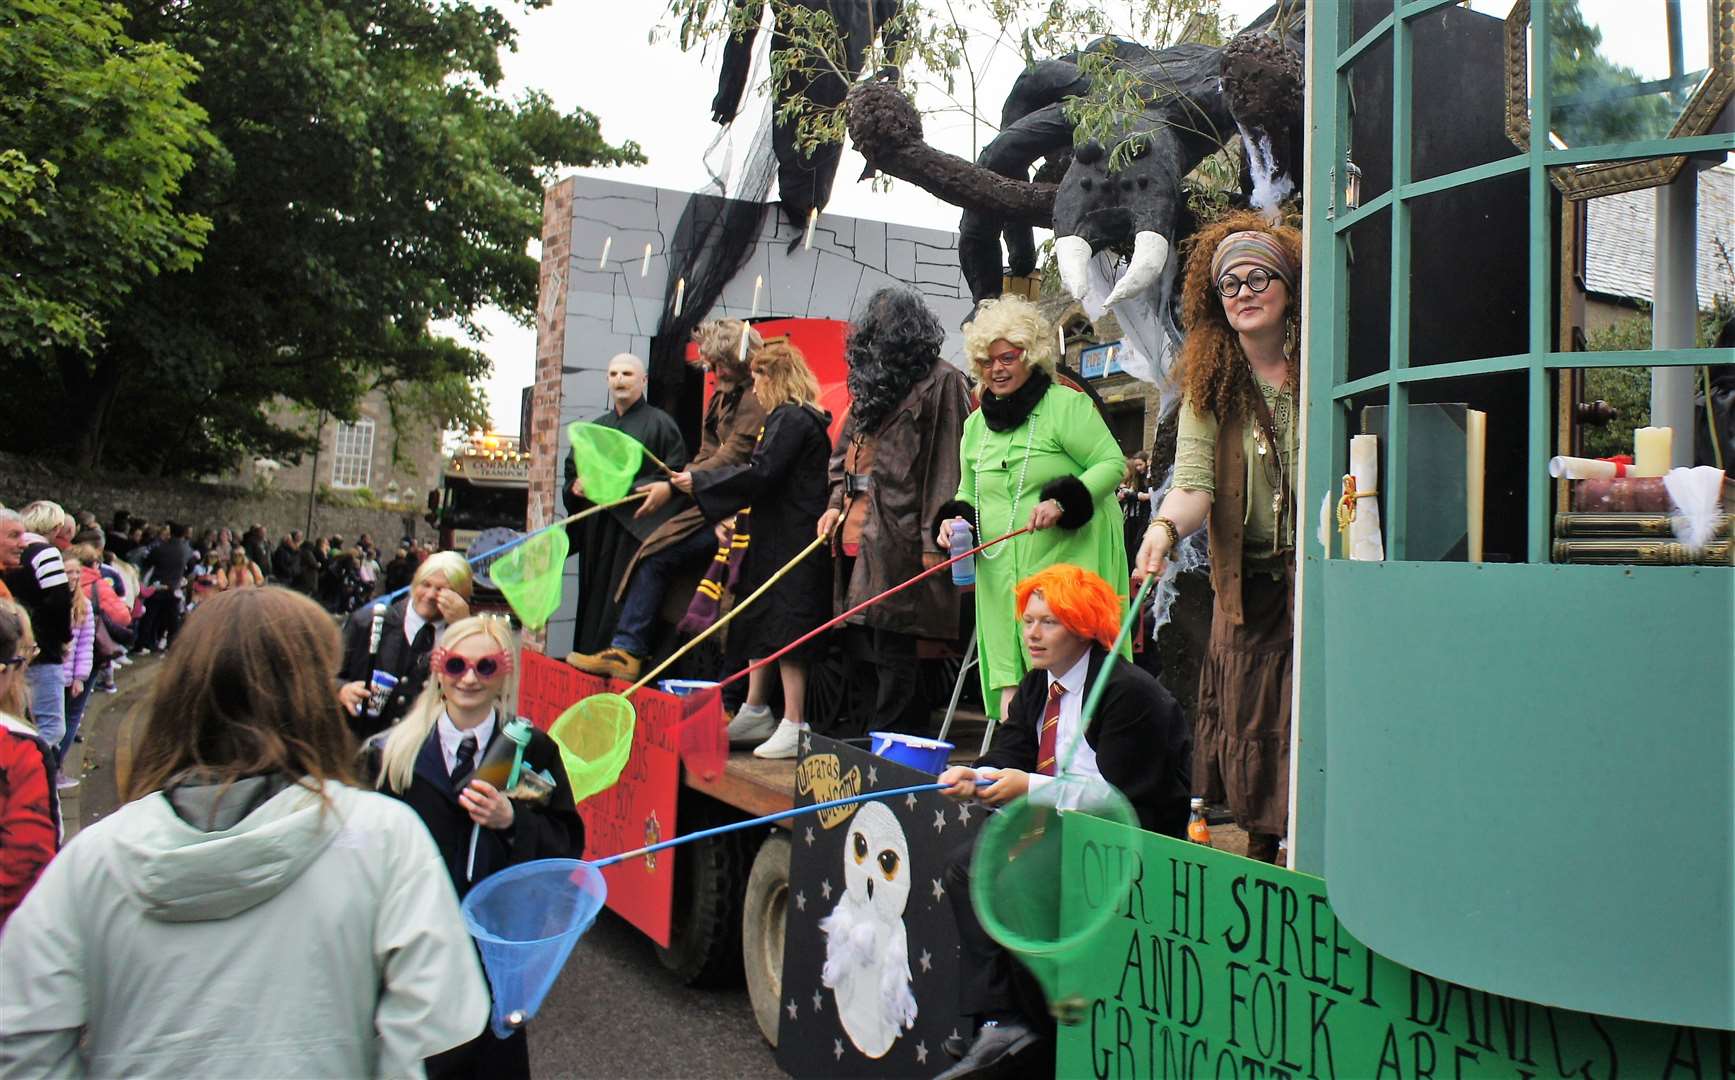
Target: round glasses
{"points": [[486, 668], [1258, 279]]}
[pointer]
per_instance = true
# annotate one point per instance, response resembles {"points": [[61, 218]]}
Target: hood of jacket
{"points": [[182, 871]]}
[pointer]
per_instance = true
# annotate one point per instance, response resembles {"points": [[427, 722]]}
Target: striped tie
{"points": [[1050, 730]]}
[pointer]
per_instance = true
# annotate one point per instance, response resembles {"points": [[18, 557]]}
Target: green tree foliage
{"points": [[366, 179], [1594, 102], [98, 134], [1628, 389]]}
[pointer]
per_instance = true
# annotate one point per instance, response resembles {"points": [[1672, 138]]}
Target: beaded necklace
{"points": [[1017, 492]]}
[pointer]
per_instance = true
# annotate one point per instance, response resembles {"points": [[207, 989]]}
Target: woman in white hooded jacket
{"points": [[251, 912]]}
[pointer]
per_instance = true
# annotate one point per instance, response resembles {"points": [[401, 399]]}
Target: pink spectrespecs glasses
{"points": [[487, 668]]}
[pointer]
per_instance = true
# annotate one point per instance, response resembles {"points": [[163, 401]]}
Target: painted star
{"points": [[818, 1001], [939, 821], [801, 901], [873, 776], [825, 888], [963, 813], [809, 836], [807, 744], [792, 1009], [921, 1053], [909, 802], [837, 1049], [927, 960], [939, 890]]}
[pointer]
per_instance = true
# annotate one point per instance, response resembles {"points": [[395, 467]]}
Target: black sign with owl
{"points": [[870, 955]]}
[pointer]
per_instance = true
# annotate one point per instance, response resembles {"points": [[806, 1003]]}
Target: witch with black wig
{"points": [[1037, 453]]}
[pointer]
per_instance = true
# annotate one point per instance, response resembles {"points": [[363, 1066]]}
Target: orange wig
{"points": [[1083, 602]]}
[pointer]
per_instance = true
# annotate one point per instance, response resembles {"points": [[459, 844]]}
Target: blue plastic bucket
{"points": [[927, 755], [525, 920], [683, 687]]}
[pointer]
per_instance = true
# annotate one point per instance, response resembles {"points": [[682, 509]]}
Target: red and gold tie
{"points": [[1049, 731]]}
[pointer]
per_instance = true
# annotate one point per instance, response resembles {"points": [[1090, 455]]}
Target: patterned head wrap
{"points": [[1258, 248]]}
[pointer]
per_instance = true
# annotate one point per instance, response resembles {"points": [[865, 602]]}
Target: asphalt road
{"points": [[614, 1012]]}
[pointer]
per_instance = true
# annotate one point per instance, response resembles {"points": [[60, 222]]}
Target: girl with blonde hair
{"points": [[1035, 454], [785, 486], [428, 760]]}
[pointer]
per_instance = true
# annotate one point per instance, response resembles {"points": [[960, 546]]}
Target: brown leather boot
{"points": [[611, 663]]}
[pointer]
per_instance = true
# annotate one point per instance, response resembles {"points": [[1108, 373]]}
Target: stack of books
{"points": [[1645, 538]]}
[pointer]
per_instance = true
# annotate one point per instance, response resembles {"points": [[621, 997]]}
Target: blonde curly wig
{"points": [[1018, 321], [1214, 376]]}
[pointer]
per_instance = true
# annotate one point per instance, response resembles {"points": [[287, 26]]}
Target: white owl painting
{"points": [[867, 953]]}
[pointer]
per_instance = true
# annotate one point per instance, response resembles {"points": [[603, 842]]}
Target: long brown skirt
{"points": [[1241, 734]]}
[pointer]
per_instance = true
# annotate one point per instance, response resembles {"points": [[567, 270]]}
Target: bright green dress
{"points": [[1065, 437]]}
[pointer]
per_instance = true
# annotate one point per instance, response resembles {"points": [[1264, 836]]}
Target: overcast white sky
{"points": [[597, 54]]}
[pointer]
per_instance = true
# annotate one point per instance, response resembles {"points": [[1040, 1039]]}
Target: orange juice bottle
{"points": [[1197, 831]]}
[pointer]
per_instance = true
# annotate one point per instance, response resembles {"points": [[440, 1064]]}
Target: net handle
{"points": [[386, 600], [739, 607]]}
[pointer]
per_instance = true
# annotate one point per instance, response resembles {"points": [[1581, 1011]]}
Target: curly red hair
{"points": [[1213, 375], [1083, 602]]}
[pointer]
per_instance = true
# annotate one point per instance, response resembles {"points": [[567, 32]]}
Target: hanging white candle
{"points": [[645, 268], [1060, 332], [680, 293], [812, 219], [602, 263], [758, 283], [746, 329]]}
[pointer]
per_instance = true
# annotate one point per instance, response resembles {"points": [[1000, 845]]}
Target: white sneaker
{"points": [[784, 742], [752, 725], [65, 782]]}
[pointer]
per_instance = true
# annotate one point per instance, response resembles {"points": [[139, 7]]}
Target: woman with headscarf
{"points": [[1038, 454], [1235, 460]]}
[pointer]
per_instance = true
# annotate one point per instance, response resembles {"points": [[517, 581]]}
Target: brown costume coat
{"points": [[915, 473], [732, 423]]}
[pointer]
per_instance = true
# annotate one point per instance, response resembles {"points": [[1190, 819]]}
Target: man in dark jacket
{"points": [[895, 466], [310, 563], [39, 584], [167, 567], [407, 633], [1138, 742]]}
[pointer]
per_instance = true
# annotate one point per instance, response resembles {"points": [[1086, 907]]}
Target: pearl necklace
{"points": [[1017, 492]]}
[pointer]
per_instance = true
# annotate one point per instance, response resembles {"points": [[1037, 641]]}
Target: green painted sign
{"points": [[1221, 967]]}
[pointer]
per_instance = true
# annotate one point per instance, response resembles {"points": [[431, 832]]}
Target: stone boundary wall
{"points": [[200, 505]]}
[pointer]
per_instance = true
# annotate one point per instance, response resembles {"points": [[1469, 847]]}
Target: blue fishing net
{"points": [[525, 920]]}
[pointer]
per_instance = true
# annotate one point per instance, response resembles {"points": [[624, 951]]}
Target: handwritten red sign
{"points": [[640, 808]]}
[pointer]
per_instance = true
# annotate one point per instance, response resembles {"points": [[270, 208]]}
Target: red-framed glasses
{"points": [[486, 668]]}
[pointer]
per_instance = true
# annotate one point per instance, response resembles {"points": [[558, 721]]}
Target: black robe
{"points": [[396, 657], [785, 484], [605, 543]]}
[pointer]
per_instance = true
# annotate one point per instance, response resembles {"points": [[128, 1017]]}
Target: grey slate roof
{"points": [[1620, 249]]}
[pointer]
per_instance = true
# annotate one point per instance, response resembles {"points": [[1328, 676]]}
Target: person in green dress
{"points": [[1235, 458], [1036, 453]]}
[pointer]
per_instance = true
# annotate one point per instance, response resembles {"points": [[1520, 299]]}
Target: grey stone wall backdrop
{"points": [[201, 506], [614, 308]]}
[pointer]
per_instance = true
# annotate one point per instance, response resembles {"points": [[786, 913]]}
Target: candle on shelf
{"points": [[758, 283], [602, 263], [1652, 450], [680, 293], [812, 219], [646, 267]]}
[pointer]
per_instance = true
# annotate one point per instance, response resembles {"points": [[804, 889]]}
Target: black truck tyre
{"points": [[705, 926], [763, 918]]}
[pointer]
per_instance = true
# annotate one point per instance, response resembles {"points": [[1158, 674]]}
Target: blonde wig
{"points": [[1018, 321], [404, 742], [781, 375], [451, 564], [43, 518], [1214, 374], [719, 344]]}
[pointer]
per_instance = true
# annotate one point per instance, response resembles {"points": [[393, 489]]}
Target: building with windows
{"points": [[371, 454]]}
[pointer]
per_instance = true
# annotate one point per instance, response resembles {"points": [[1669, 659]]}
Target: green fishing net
{"points": [[529, 576], [606, 460], [596, 738]]}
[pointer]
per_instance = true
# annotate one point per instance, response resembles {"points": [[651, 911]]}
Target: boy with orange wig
{"points": [[1138, 741]]}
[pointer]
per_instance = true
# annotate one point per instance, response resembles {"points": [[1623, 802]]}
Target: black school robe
{"points": [[785, 484], [605, 543], [396, 656], [1143, 743]]}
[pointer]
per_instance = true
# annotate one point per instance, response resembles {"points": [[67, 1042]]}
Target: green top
{"points": [[1196, 465], [1065, 437]]}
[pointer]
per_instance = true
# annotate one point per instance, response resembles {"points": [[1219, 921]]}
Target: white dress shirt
{"points": [[450, 737], [1082, 764], [413, 624]]}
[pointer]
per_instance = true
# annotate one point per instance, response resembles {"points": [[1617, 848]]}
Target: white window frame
{"points": [[352, 455]]}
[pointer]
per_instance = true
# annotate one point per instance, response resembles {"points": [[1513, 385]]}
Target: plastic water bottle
{"points": [[1197, 831], [963, 539]]}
